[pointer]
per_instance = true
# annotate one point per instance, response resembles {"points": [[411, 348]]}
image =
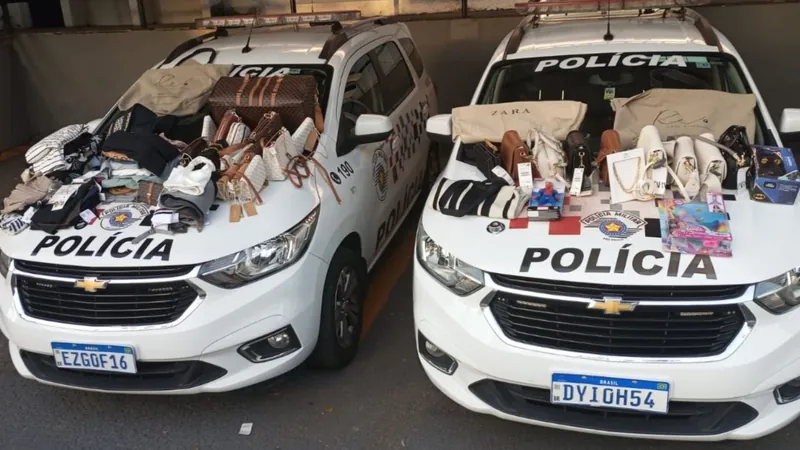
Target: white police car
{"points": [[528, 324], [248, 301]]}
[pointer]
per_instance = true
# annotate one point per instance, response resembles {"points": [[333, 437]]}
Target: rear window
{"points": [[413, 55]]}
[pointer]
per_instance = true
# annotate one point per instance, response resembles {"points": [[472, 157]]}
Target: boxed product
{"points": [[775, 175], [547, 200], [698, 228]]}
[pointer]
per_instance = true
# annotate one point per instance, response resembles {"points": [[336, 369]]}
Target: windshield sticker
{"points": [[609, 93], [123, 216], [645, 262], [92, 247], [615, 225], [599, 61], [260, 70]]}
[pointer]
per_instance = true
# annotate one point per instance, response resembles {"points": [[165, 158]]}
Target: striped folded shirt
{"points": [[53, 143], [52, 162]]}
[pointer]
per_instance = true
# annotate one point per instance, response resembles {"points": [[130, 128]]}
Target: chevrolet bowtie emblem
{"points": [[612, 305], [91, 284]]}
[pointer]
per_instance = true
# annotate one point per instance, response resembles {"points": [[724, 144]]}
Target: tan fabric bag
{"points": [[180, 91], [477, 123], [682, 112]]}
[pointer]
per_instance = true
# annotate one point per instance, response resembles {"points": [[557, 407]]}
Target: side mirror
{"points": [[92, 126], [790, 121], [440, 128], [371, 128]]}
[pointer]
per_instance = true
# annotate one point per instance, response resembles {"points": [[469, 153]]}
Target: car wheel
{"points": [[342, 311]]}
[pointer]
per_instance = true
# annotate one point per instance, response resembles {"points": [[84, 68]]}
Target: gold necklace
{"points": [[635, 178]]}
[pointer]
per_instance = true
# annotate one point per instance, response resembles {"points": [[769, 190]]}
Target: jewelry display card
{"points": [[625, 170]]}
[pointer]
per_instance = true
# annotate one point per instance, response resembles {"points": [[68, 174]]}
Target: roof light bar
{"points": [[276, 19], [576, 6]]}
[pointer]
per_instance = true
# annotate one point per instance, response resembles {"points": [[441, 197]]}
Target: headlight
{"points": [[5, 263], [458, 276], [780, 294], [263, 259]]}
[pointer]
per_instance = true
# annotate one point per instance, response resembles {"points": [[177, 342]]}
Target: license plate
{"points": [[104, 358], [607, 392]]}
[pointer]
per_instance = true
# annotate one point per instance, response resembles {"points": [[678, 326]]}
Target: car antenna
{"points": [[608, 36], [247, 48]]}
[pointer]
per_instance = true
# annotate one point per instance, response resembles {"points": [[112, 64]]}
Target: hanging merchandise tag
{"points": [[60, 197], [715, 202], [88, 216], [741, 179], [659, 181], [576, 185], [235, 213], [500, 172], [250, 209], [525, 172]]}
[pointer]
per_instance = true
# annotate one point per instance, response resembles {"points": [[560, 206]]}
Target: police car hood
{"points": [[764, 245], [99, 244]]}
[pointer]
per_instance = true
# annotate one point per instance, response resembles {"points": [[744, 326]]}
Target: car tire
{"points": [[342, 304]]}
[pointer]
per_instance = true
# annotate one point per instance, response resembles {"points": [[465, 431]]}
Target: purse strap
{"points": [[737, 157]]}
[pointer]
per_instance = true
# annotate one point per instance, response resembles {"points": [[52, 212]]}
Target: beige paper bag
{"points": [[683, 112], [180, 91], [476, 123]]}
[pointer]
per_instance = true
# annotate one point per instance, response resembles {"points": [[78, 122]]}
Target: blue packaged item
{"points": [[775, 177]]}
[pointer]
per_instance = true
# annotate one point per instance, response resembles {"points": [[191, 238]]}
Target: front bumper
{"points": [[200, 350], [493, 375]]}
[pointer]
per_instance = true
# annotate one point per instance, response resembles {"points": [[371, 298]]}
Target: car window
{"points": [[397, 82], [413, 55], [362, 95]]}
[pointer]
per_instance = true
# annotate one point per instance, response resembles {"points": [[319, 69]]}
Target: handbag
{"points": [[579, 155], [513, 151], [277, 154], [483, 155], [609, 143], [209, 128], [547, 155], [740, 155], [711, 163], [489, 198], [251, 181], [148, 192], [226, 186], [268, 126], [238, 133], [225, 123], [293, 97], [684, 167], [234, 155], [305, 137]]}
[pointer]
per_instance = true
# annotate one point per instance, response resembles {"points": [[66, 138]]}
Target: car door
{"points": [[405, 104], [363, 169]]}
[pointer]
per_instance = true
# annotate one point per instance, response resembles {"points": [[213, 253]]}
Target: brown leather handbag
{"points": [[609, 143], [229, 117], [268, 127], [293, 97], [513, 150]]}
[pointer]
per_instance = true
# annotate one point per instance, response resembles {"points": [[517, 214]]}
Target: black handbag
{"points": [[735, 139], [483, 155], [488, 198]]}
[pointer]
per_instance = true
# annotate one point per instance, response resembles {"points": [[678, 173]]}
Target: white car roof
{"points": [[285, 45], [631, 34]]}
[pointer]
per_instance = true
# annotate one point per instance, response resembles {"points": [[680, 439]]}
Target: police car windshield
{"points": [[596, 79]]}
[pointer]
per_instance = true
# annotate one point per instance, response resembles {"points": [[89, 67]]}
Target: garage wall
{"points": [[13, 116], [76, 77]]}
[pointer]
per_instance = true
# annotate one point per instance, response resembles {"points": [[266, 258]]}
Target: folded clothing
{"points": [[192, 209], [51, 217], [493, 198], [47, 155], [191, 179], [152, 152], [25, 194]]}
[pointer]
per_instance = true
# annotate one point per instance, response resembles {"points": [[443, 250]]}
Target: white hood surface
{"points": [[284, 206], [765, 244]]}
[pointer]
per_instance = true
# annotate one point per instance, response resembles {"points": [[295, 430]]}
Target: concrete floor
{"points": [[383, 400]]}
